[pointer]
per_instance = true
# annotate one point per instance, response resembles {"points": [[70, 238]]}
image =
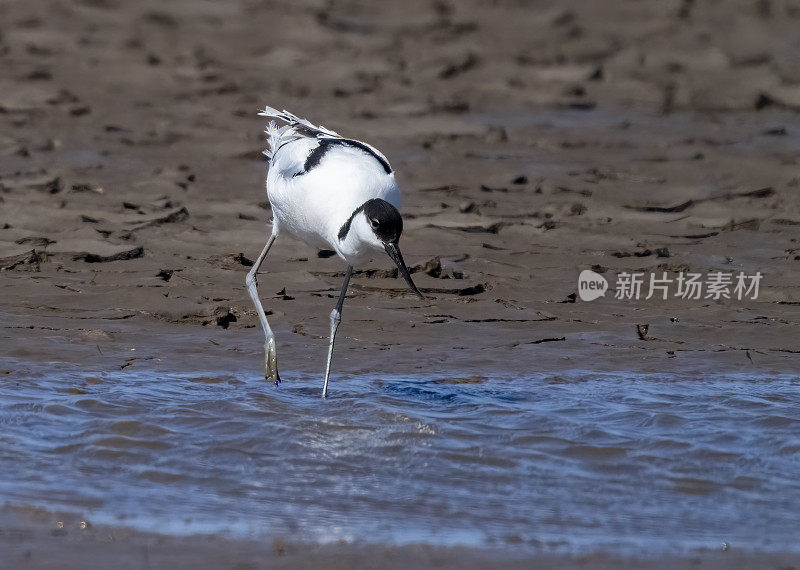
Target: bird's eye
{"points": [[374, 223]]}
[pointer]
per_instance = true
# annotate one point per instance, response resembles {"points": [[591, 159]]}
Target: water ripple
{"points": [[578, 462]]}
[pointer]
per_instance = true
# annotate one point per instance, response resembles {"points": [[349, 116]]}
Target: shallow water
{"points": [[572, 463]]}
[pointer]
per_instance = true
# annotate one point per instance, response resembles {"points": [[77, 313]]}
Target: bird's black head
{"points": [[384, 219], [387, 225]]}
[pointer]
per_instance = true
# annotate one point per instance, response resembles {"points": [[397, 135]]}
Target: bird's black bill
{"points": [[397, 257]]}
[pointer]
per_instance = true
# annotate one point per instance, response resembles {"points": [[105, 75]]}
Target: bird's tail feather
{"points": [[276, 136], [295, 128]]}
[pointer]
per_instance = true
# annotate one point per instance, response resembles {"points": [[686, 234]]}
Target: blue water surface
{"points": [[575, 463]]}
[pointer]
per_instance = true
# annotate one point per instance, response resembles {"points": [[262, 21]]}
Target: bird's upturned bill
{"points": [[397, 257]]}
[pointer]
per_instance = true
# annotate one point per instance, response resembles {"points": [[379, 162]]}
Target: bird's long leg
{"points": [[336, 317], [270, 355]]}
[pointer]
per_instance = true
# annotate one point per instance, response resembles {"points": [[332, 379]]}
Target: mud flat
{"points": [[532, 142], [34, 539]]}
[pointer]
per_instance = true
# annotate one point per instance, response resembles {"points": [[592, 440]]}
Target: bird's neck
{"points": [[359, 243]]}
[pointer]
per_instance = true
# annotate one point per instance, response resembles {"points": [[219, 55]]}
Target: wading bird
{"points": [[333, 193]]}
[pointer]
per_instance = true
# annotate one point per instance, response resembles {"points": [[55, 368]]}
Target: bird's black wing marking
{"points": [[316, 155], [365, 148]]}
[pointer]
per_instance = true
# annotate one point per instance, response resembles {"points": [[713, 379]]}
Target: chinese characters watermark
{"points": [[714, 285]]}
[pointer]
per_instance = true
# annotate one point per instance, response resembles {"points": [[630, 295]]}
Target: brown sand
{"points": [[32, 539], [533, 140]]}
